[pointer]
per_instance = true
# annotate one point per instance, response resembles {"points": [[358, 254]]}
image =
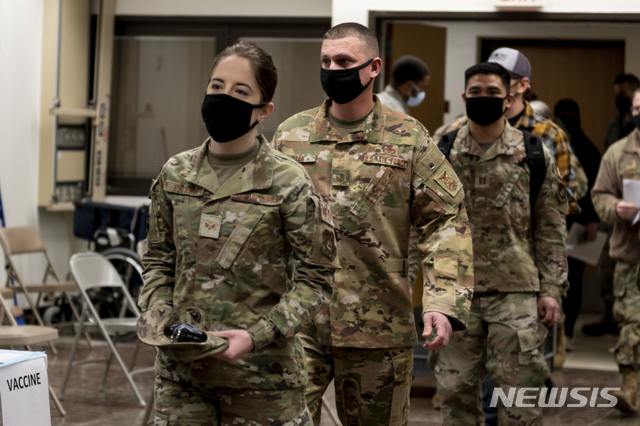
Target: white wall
{"points": [[20, 64], [358, 10], [462, 46], [263, 8]]}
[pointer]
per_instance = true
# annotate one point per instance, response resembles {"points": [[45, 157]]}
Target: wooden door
{"points": [[427, 43]]}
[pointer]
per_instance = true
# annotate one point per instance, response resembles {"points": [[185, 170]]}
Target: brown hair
{"points": [[353, 29], [261, 62]]}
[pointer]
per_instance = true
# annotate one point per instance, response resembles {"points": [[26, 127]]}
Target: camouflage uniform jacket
{"points": [[552, 136], [379, 180], [255, 253], [507, 255], [621, 161]]}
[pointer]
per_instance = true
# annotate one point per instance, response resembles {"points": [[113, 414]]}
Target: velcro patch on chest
{"points": [[210, 225], [265, 200], [305, 158], [179, 188], [390, 150], [340, 177], [387, 161], [629, 166], [447, 180], [329, 247], [325, 214]]}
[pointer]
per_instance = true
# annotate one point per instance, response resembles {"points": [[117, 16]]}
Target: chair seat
{"points": [[6, 292], [50, 287], [13, 335], [113, 325]]}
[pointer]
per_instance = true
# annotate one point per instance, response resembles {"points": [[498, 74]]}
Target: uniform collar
{"points": [[527, 119], [369, 131], [257, 174], [510, 143], [394, 94]]}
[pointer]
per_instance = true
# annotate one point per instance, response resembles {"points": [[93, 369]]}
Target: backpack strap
{"points": [[535, 159], [446, 143]]}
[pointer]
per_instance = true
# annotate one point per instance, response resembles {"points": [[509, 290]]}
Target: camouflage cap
{"points": [[153, 329]]}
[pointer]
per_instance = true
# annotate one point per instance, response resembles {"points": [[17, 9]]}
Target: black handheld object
{"points": [[187, 333]]}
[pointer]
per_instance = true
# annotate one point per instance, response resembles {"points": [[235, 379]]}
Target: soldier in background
{"points": [[519, 257], [409, 78], [380, 173], [622, 162], [237, 235], [620, 126], [523, 117]]}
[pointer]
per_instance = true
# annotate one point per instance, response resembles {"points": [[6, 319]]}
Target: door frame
{"points": [[378, 18]]}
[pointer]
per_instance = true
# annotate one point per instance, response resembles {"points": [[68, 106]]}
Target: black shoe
{"points": [[601, 328]]}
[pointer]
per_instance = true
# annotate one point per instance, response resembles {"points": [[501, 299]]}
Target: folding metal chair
{"points": [[27, 240], [93, 271], [24, 335]]}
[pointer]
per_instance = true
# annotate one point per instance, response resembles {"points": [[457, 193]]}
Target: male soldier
{"points": [[620, 126], [520, 262], [380, 173], [523, 117], [409, 77], [621, 163]]}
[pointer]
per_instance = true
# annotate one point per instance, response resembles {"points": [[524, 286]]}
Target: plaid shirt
{"points": [[550, 134], [556, 140]]}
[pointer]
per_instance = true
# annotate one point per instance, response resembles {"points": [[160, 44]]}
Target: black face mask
{"points": [[636, 120], [227, 118], [343, 86], [485, 110], [623, 104]]}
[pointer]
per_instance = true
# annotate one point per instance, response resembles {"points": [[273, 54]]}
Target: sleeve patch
{"points": [[448, 181]]}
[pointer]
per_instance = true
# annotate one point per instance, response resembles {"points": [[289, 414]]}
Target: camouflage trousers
{"points": [[372, 385], [626, 312], [505, 339], [183, 405]]}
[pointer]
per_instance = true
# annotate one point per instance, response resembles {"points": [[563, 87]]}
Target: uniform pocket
{"points": [[238, 237], [533, 367], [620, 278], [445, 267], [372, 192]]}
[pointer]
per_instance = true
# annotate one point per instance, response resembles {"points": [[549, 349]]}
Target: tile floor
{"points": [[591, 365]]}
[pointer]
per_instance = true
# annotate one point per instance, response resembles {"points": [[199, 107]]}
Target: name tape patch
{"points": [[387, 161], [265, 200], [179, 188]]}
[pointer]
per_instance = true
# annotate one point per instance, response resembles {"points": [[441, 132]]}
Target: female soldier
{"points": [[237, 232]]}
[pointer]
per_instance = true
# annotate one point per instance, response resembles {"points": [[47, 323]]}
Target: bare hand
{"points": [[626, 210], [442, 328], [240, 344], [549, 310], [591, 230]]}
